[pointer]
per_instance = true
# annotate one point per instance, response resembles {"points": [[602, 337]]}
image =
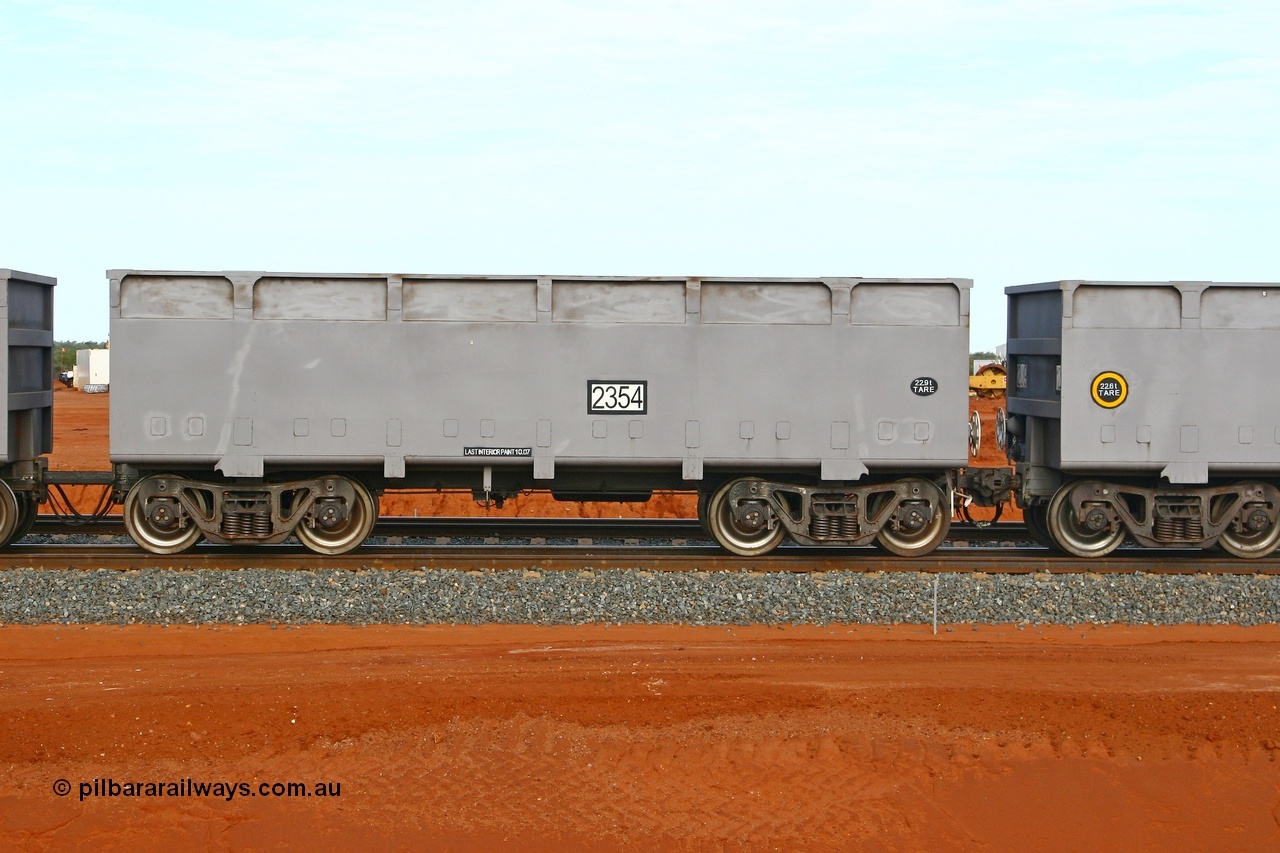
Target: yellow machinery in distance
{"points": [[990, 381]]}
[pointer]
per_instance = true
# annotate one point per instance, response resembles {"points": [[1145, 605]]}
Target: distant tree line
{"points": [[976, 356], [64, 353]]}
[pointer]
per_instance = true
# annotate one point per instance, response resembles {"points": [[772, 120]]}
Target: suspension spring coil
{"points": [[255, 524], [835, 526], [1178, 529], [822, 526]]}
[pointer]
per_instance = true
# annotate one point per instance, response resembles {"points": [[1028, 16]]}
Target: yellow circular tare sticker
{"points": [[1109, 389]]}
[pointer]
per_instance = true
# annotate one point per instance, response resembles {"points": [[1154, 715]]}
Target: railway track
{"points": [[481, 544]]}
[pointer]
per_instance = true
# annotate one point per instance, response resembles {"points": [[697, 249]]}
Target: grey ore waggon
{"points": [[250, 406], [1134, 412], [26, 430]]}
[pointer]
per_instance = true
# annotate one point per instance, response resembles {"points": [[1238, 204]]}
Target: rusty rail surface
{"points": [[595, 557]]}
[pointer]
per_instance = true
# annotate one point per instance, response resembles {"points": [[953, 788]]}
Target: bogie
{"points": [[167, 514]]}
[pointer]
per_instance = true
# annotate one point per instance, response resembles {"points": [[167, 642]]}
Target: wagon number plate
{"points": [[617, 398]]}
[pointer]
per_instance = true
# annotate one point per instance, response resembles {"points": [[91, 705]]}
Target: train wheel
{"points": [[10, 514], [743, 532], [1071, 535], [1036, 518], [704, 500], [155, 522], [1252, 543], [912, 539], [350, 532], [27, 509]]}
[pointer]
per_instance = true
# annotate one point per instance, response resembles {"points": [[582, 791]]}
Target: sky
{"points": [[1007, 142]]}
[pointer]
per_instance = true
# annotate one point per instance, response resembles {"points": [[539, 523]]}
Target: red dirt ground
{"points": [[640, 738]]}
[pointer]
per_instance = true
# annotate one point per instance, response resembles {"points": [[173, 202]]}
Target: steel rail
{"points": [[591, 557]]}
